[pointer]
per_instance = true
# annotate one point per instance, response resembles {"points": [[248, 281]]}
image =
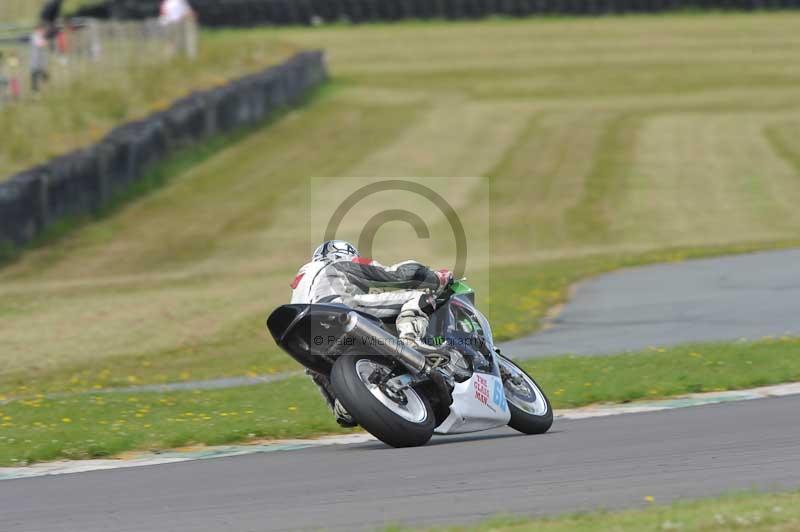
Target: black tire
{"points": [[526, 422], [373, 415]]}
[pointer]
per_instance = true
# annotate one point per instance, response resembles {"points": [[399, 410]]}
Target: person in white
{"points": [[173, 11], [178, 17], [337, 274], [38, 58]]}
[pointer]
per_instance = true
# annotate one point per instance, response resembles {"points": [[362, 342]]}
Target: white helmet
{"points": [[335, 250]]}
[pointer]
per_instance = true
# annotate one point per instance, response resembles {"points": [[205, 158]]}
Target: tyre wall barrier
{"points": [[293, 12], [85, 180]]}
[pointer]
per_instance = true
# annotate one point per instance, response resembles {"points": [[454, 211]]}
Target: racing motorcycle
{"points": [[403, 396]]}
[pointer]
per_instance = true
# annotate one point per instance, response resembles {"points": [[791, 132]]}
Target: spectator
{"points": [[178, 19], [62, 40], [38, 58], [174, 11], [13, 66], [48, 17], [4, 82], [50, 12]]}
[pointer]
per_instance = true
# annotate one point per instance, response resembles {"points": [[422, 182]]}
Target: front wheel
{"points": [[399, 420], [531, 412]]}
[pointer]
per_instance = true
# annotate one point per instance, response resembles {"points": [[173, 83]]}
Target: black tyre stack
{"points": [[302, 12]]}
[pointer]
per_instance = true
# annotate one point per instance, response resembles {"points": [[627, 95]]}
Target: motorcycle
{"points": [[403, 396]]}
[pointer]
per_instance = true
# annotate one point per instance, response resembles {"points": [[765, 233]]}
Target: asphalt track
{"points": [[727, 298], [609, 462]]}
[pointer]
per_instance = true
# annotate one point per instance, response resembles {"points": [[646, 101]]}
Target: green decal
{"points": [[460, 287]]}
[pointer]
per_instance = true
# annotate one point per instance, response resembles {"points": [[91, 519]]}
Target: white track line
{"points": [[204, 453]]}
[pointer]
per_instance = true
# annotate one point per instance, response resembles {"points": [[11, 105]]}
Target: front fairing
{"points": [[479, 403], [460, 325]]}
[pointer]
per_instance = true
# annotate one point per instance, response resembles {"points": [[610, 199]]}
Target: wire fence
{"points": [[36, 60]]}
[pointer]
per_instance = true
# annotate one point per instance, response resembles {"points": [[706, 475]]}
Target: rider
{"points": [[338, 274]]}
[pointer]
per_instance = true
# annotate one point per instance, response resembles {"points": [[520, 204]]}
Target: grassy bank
{"points": [[746, 511], [95, 425]]}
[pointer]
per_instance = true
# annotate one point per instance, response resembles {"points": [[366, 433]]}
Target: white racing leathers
{"points": [[401, 291]]}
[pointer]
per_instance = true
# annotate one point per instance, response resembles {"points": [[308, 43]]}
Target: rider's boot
{"points": [[411, 326], [343, 417], [415, 342]]}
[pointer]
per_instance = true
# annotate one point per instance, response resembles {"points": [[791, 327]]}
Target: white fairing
{"points": [[478, 404]]}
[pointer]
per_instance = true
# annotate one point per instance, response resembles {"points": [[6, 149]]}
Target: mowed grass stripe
{"points": [[455, 138], [710, 166], [549, 165]]}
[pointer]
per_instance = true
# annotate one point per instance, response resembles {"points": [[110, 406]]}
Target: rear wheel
{"points": [[405, 419], [531, 412]]}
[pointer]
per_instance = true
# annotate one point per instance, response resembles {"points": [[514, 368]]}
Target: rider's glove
{"points": [[445, 278]]}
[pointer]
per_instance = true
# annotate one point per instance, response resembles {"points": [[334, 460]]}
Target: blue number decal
{"points": [[498, 396]]}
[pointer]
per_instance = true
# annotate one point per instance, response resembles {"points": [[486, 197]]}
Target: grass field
{"points": [[93, 425], [744, 511], [607, 142]]}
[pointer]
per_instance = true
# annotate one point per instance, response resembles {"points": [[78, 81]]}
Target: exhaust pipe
{"points": [[381, 341]]}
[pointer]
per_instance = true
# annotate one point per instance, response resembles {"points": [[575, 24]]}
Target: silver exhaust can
{"points": [[382, 342]]}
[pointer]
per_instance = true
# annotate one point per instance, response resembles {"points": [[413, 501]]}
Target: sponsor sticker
{"points": [[481, 390]]}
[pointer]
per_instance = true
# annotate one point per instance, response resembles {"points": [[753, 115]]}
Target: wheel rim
{"points": [[524, 394], [413, 409]]}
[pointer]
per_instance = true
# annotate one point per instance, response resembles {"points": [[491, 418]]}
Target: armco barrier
{"points": [[83, 181], [292, 12]]}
